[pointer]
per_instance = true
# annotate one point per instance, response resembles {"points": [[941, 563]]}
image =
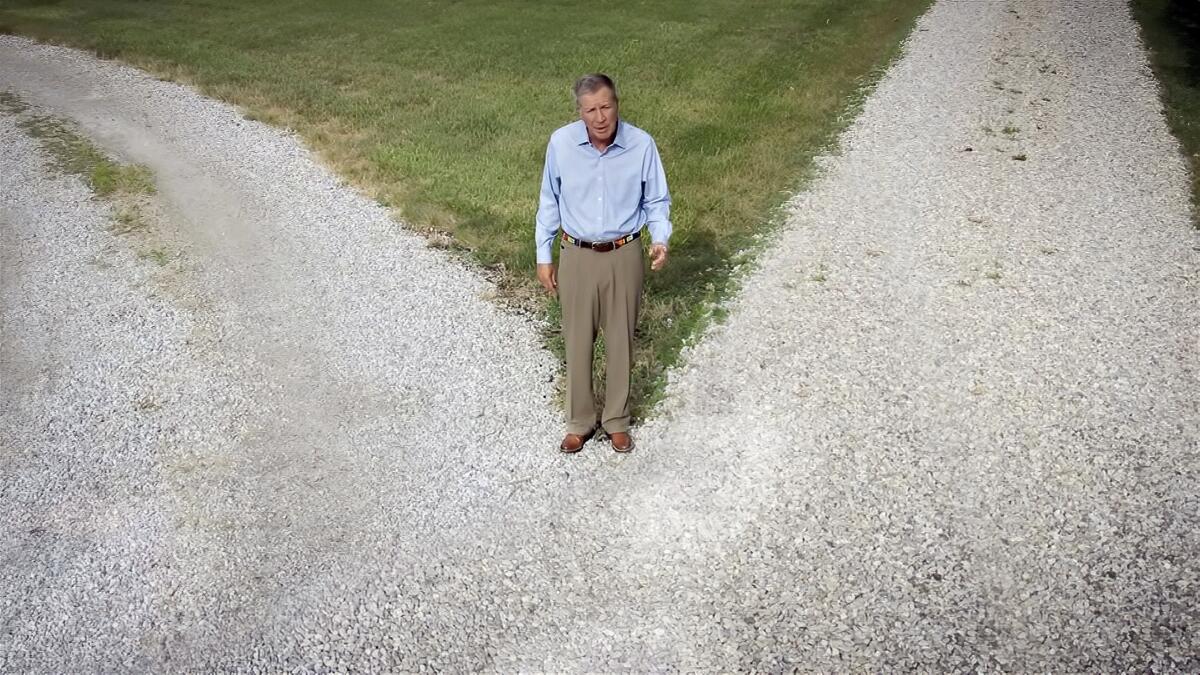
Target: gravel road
{"points": [[951, 422]]}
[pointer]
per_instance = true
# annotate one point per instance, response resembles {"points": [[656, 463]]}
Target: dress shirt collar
{"points": [[620, 140]]}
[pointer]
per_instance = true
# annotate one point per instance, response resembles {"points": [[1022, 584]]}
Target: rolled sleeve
{"points": [[656, 199], [547, 220]]}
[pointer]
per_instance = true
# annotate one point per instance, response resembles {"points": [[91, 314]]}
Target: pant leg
{"points": [[580, 321], [622, 298]]}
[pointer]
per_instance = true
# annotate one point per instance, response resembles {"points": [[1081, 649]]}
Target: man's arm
{"points": [[547, 221], [656, 202]]}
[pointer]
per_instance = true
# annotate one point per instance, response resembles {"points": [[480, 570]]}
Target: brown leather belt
{"points": [[601, 246]]}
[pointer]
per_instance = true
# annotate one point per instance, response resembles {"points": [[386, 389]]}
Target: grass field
{"points": [[441, 110], [1171, 29]]}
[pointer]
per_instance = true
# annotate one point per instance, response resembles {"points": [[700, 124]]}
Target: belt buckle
{"points": [[603, 246]]}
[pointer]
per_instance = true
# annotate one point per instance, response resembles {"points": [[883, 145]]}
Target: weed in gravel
{"points": [[75, 154], [11, 103], [108, 178], [127, 219], [158, 255], [126, 187], [72, 153]]}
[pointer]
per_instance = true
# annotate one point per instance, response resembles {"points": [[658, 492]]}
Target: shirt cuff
{"points": [[660, 231]]}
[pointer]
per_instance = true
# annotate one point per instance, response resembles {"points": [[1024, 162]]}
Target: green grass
{"points": [[109, 177], [441, 110], [1171, 30], [158, 255]]}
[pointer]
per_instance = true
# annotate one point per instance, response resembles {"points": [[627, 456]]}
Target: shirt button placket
{"points": [[600, 198]]}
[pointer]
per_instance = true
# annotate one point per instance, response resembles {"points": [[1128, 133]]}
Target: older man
{"points": [[602, 182]]}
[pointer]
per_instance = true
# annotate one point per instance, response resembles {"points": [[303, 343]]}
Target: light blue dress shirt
{"points": [[601, 196]]}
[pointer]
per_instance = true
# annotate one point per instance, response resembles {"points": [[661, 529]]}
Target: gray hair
{"points": [[590, 84]]}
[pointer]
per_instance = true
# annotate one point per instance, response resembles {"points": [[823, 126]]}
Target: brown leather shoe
{"points": [[621, 441], [574, 442]]}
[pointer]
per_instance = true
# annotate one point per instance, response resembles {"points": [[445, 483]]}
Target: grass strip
{"points": [[77, 155], [124, 185]]}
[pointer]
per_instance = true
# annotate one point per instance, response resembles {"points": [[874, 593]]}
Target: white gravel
{"points": [[951, 423], [316, 380]]}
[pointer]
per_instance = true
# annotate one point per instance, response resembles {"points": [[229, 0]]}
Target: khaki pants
{"points": [[599, 291]]}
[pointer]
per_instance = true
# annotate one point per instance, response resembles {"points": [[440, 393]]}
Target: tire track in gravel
{"points": [[87, 478]]}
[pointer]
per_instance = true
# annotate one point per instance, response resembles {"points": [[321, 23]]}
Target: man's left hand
{"points": [[658, 256]]}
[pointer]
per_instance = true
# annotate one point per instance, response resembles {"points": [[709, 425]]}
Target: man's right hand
{"points": [[549, 277]]}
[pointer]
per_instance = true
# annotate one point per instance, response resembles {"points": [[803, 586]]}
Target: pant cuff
{"points": [[580, 429]]}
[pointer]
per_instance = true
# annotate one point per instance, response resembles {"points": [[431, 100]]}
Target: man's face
{"points": [[598, 110]]}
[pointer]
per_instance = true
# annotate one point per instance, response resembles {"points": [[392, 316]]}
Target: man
{"points": [[603, 180]]}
